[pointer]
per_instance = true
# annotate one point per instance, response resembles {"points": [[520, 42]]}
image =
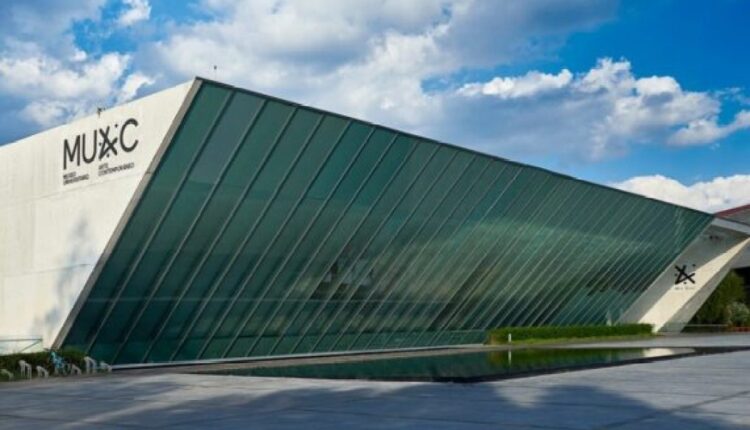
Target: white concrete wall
{"points": [[743, 260], [52, 233], [669, 305]]}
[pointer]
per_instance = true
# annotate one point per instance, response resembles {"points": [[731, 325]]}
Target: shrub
{"points": [[10, 362], [714, 310], [500, 335], [737, 314]]}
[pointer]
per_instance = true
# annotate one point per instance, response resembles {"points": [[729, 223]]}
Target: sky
{"points": [[650, 96]]}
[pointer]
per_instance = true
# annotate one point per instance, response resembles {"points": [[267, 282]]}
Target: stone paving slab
{"points": [[705, 392]]}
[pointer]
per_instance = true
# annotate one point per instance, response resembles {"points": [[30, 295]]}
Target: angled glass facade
{"points": [[270, 228]]}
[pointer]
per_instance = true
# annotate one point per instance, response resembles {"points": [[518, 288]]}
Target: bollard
{"points": [[25, 368], [42, 372], [6, 373], [90, 364], [75, 370], [105, 367]]}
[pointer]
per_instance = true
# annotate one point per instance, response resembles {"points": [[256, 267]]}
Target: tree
{"points": [[729, 291]]}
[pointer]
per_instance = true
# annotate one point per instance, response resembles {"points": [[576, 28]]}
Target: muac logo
{"points": [[104, 142]]}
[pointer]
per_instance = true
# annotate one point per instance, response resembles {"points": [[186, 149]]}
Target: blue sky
{"points": [[652, 96]]}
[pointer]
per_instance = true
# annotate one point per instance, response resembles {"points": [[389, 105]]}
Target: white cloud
{"points": [[706, 130], [54, 91], [45, 112], [45, 21], [592, 115], [531, 84], [319, 52], [711, 196], [133, 83], [372, 60], [391, 62], [137, 11], [45, 77]]}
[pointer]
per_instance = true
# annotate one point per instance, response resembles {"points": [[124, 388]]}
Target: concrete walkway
{"points": [[706, 392], [682, 340]]}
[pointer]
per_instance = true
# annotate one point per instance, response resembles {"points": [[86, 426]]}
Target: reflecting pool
{"points": [[467, 366]]}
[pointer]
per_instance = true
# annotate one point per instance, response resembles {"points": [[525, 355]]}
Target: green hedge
{"points": [[521, 334], [10, 362]]}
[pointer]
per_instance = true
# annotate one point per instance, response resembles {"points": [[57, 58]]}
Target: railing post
{"points": [[42, 372], [90, 364], [25, 368]]}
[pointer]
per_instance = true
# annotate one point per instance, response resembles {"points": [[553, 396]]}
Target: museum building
{"points": [[208, 222]]}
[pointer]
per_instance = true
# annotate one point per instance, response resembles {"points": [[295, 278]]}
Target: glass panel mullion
{"points": [[498, 291], [568, 258], [613, 246], [239, 109], [338, 187], [428, 256], [405, 218], [416, 157], [617, 280], [456, 278], [626, 258], [120, 289], [167, 175], [183, 284], [298, 134], [317, 155], [424, 235], [338, 223], [317, 209], [340, 287], [292, 193], [662, 254], [621, 216], [508, 242], [531, 279], [639, 286], [261, 201], [357, 317], [458, 286], [697, 225], [416, 221], [411, 198], [428, 311]]}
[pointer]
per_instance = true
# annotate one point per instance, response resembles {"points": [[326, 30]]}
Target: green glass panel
{"points": [[598, 248], [356, 280], [416, 219], [565, 259], [270, 228], [197, 126]]}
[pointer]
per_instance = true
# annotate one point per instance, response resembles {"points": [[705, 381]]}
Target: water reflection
{"points": [[468, 366]]}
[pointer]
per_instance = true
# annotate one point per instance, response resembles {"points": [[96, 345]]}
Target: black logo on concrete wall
{"points": [[100, 144], [682, 276]]}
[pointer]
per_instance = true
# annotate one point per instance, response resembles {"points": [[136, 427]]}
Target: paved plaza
{"points": [[704, 392]]}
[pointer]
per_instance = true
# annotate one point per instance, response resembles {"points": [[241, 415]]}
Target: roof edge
{"points": [[732, 211], [731, 225]]}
